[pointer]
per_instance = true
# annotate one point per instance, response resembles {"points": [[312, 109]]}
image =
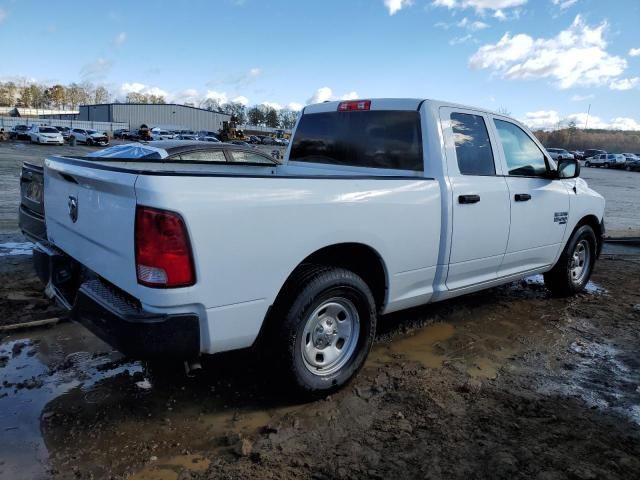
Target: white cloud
{"points": [[624, 83], [551, 119], [472, 25], [255, 72], [480, 5], [120, 39], [634, 52], [459, 40], [96, 70], [581, 98], [564, 4], [220, 97], [294, 106], [576, 56], [274, 105], [136, 87], [241, 99], [394, 6], [3, 15], [321, 95], [350, 96]]}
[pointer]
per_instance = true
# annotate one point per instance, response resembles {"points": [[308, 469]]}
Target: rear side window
{"points": [[473, 147], [250, 157], [375, 139]]}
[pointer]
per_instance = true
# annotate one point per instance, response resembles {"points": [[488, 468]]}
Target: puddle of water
{"points": [[15, 248], [590, 287], [424, 346]]}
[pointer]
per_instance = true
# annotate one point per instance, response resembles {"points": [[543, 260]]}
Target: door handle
{"points": [[468, 198], [522, 197]]}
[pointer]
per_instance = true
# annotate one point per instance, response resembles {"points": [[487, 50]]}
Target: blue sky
{"points": [[544, 61]]}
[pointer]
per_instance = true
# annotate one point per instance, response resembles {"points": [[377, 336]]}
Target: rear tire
{"points": [[322, 329], [89, 142], [574, 267], [587, 164], [606, 165]]}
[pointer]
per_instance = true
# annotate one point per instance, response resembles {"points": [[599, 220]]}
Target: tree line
{"points": [[69, 97], [573, 138]]}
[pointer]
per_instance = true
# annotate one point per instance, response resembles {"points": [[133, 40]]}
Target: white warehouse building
{"points": [[168, 115]]}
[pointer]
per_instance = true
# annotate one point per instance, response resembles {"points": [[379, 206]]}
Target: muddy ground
{"points": [[503, 384]]}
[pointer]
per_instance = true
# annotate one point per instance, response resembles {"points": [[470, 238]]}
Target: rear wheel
{"points": [[572, 271], [587, 164], [89, 141], [326, 330], [606, 165]]}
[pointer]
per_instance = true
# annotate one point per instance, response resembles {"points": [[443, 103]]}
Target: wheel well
{"points": [[594, 223], [361, 259]]}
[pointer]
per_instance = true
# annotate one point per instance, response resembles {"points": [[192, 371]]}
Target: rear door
{"points": [[480, 199], [539, 205]]}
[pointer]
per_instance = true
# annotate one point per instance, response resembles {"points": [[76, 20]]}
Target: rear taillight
{"points": [[354, 105], [163, 252]]}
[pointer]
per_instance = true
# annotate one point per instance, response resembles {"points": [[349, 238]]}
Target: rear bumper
{"points": [[32, 224], [134, 332], [114, 316]]}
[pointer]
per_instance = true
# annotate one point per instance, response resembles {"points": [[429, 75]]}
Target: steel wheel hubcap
{"points": [[580, 262], [330, 336]]}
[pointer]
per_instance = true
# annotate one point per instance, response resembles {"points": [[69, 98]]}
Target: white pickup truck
{"points": [[379, 205]]}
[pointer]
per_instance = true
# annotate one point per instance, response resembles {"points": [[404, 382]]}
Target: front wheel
{"points": [[89, 142], [606, 165], [326, 331], [572, 271], [587, 164]]}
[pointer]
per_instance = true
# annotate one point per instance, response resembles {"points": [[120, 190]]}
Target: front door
{"points": [[480, 200], [539, 205]]}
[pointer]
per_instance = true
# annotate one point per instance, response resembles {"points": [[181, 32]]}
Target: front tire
{"points": [[606, 165], [587, 164], [89, 142], [324, 329], [574, 267]]}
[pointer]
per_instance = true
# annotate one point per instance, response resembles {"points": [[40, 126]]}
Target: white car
{"points": [[206, 136], [559, 153], [379, 205], [44, 134], [88, 136], [606, 160], [160, 134]]}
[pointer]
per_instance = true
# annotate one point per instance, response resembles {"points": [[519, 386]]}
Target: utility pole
{"points": [[586, 122]]}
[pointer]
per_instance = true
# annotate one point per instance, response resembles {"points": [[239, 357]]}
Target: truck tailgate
{"points": [[90, 215]]}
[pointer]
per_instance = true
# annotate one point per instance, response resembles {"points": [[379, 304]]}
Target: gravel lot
{"points": [[508, 383]]}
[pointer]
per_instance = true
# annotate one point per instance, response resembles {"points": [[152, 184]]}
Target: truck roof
{"points": [[394, 104]]}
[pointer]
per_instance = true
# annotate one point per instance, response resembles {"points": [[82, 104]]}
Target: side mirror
{"points": [[568, 168]]}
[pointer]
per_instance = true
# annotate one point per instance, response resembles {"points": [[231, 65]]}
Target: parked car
{"points": [[89, 137], [65, 131], [182, 260], [606, 160], [559, 153], [266, 140], [632, 162], [206, 136], [45, 134], [120, 133], [592, 153], [160, 134], [20, 132], [253, 140], [577, 154], [184, 136], [241, 143]]}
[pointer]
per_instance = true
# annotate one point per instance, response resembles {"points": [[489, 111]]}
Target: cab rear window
{"points": [[374, 139]]}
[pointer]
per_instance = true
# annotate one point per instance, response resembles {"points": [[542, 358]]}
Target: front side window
{"points": [[375, 139], [523, 156], [473, 147]]}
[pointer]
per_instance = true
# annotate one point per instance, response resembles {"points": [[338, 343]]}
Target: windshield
{"points": [[48, 130], [91, 132], [131, 151]]}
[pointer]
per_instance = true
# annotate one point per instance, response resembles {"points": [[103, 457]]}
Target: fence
{"points": [[9, 122]]}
